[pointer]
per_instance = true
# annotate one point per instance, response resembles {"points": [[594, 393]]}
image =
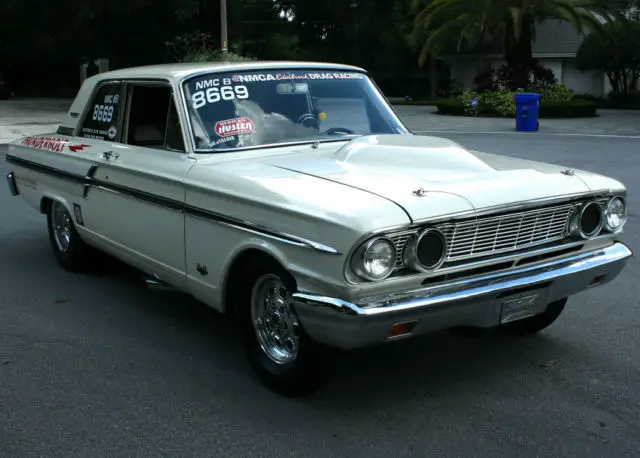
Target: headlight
{"points": [[375, 260], [615, 215], [587, 221], [426, 251]]}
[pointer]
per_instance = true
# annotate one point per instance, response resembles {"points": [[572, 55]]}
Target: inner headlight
{"points": [[615, 215], [375, 260]]}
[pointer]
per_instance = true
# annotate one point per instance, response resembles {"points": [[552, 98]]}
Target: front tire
{"points": [[285, 358], [537, 323], [69, 249]]}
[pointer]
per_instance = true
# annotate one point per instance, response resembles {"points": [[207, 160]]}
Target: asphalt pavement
{"points": [[96, 366]]}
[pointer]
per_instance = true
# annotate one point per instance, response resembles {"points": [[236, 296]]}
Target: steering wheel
{"points": [[307, 120], [338, 130]]}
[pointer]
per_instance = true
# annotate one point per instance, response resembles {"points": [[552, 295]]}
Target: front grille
{"points": [[491, 235], [510, 232]]}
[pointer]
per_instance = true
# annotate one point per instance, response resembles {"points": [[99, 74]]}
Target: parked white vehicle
{"points": [[291, 196]]}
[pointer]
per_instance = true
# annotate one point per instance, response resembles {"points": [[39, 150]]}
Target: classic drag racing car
{"points": [[293, 198]]}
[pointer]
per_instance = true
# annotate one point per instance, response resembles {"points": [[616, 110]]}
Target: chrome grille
{"points": [[510, 232], [400, 241]]}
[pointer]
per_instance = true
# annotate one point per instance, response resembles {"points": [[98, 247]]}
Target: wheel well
{"points": [[241, 264], [45, 204]]}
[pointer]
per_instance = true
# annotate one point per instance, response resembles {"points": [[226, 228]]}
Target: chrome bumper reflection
{"points": [[471, 302], [11, 181]]}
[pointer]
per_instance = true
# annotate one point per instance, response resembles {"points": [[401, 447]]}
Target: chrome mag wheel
{"points": [[275, 323], [62, 224]]}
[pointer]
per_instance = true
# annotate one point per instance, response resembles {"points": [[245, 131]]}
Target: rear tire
{"points": [[69, 249], [536, 323], [284, 357]]}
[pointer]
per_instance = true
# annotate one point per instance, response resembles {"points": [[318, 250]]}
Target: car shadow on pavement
{"points": [[430, 367]]}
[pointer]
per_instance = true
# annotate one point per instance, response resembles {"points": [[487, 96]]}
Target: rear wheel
{"points": [[285, 358], [69, 249], [536, 323]]}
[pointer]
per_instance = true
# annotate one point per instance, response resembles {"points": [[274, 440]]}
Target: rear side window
{"points": [[102, 118]]}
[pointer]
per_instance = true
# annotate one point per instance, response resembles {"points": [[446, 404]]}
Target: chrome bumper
{"points": [[478, 301], [11, 181]]}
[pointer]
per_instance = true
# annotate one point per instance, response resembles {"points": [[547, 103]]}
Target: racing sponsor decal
{"points": [[112, 132], [260, 77], [235, 126], [74, 148], [46, 143], [95, 134]]}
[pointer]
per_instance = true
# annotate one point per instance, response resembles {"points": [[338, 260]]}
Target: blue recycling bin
{"points": [[527, 111]]}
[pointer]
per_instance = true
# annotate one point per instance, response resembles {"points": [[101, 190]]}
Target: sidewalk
{"points": [[424, 120], [20, 118]]}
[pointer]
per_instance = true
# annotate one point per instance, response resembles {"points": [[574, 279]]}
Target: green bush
{"points": [[452, 106], [556, 101], [575, 108], [629, 101]]}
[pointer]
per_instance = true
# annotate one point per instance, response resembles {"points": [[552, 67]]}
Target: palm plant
{"points": [[442, 23]]}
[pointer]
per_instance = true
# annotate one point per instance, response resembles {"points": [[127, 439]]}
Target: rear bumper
{"points": [[478, 301], [11, 182]]}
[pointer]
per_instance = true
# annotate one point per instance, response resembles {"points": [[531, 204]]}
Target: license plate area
{"points": [[518, 306]]}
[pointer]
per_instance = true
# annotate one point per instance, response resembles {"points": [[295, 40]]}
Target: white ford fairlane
{"points": [[293, 198]]}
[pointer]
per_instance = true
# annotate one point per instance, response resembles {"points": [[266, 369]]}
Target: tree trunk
{"points": [[518, 52]]}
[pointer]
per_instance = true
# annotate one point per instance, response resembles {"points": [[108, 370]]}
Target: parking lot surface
{"points": [[96, 366]]}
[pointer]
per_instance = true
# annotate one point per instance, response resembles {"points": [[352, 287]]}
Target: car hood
{"points": [[431, 176]]}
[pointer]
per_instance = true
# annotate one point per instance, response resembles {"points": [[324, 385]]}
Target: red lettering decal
{"points": [[235, 126]]}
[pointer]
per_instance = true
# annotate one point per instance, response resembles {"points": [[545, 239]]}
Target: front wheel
{"points": [[537, 323], [285, 358]]}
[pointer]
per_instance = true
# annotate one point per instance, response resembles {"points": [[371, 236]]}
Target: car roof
{"points": [[176, 73], [180, 71]]}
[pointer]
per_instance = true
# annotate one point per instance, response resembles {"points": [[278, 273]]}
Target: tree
{"points": [[617, 53], [439, 23]]}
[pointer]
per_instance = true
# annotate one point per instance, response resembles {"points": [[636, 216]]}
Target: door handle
{"points": [[109, 154]]}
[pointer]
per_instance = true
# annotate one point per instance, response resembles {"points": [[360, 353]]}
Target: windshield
{"points": [[259, 108]]}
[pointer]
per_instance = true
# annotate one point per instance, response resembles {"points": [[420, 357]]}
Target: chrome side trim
{"points": [[258, 230], [89, 182], [11, 181]]}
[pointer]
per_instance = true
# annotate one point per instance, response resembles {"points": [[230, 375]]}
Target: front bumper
{"points": [[478, 301]]}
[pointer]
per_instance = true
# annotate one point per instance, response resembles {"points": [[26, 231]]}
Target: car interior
{"points": [[152, 119]]}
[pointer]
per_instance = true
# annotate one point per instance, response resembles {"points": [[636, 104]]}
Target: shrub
{"points": [[576, 108], [452, 106], [485, 80], [501, 102], [620, 100], [557, 93]]}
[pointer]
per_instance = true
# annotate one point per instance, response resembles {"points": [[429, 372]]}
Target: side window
{"points": [[102, 118], [153, 120]]}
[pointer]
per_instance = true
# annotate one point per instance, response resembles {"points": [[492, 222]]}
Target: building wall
{"points": [[580, 82], [464, 70]]}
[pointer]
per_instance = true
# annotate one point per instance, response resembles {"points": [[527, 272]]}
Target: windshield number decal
{"points": [[214, 94], [103, 113]]}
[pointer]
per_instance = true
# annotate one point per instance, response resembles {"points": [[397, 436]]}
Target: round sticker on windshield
{"points": [[235, 126]]}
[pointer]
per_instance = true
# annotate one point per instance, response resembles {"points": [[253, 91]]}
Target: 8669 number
{"points": [[214, 94], [103, 113]]}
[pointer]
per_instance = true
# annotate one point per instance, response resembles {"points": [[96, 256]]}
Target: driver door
{"points": [[137, 204]]}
